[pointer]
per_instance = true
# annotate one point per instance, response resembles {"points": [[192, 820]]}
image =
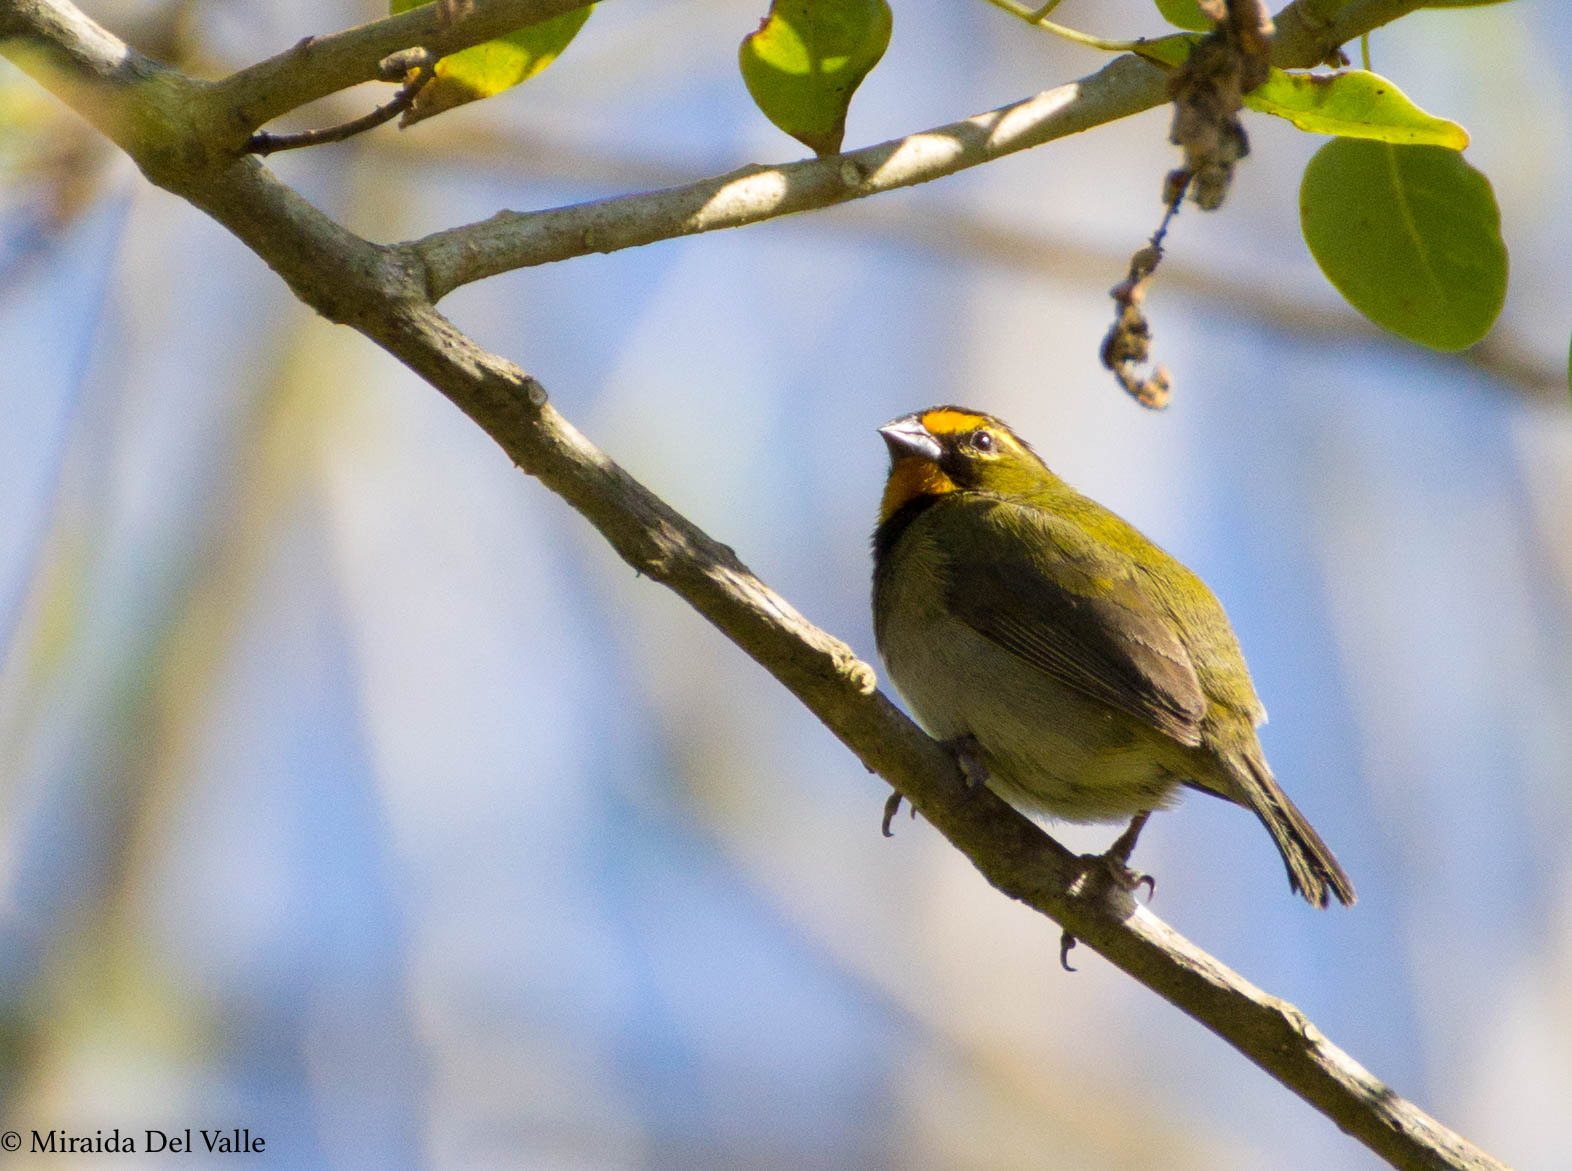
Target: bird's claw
{"points": [[1113, 872], [891, 808]]}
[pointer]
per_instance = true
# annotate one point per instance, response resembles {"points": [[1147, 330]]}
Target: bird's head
{"points": [[955, 449]]}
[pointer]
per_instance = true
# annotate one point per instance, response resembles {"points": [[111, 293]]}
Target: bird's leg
{"points": [[968, 756], [1124, 844]]}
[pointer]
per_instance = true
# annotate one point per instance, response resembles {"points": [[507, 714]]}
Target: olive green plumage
{"points": [[1095, 673]]}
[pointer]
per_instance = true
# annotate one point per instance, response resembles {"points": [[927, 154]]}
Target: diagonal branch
{"points": [[382, 293]]}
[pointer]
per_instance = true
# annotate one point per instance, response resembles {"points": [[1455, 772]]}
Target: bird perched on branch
{"points": [[1071, 664]]}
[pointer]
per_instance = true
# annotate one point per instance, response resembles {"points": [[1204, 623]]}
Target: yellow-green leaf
{"points": [[1185, 14], [489, 68], [806, 60], [1171, 51], [1353, 104], [1410, 235]]}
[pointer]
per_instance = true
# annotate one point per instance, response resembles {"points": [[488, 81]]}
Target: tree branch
{"points": [[382, 292], [509, 240], [951, 231], [1127, 85], [1309, 31], [318, 66]]}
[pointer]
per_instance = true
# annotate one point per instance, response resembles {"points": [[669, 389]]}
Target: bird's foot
{"points": [[1110, 871], [968, 757], [1116, 859]]}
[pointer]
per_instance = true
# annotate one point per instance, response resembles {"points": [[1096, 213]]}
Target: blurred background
{"points": [[352, 791]]}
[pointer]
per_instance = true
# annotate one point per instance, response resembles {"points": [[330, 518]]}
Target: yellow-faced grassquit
{"points": [[1071, 663]]}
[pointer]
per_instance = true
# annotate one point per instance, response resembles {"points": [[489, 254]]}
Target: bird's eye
{"points": [[982, 441]]}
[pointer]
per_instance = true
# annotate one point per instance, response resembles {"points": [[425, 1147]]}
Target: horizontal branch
{"points": [[383, 295], [954, 232], [1127, 85], [509, 240]]}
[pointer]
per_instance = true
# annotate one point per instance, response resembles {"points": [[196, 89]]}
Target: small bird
{"points": [[1070, 663]]}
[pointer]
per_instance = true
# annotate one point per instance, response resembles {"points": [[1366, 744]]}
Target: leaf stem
{"points": [[1035, 16]]}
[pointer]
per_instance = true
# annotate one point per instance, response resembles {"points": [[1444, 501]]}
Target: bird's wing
{"points": [[1042, 589]]}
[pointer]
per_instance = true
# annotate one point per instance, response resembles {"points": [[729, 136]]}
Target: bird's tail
{"points": [[1312, 870]]}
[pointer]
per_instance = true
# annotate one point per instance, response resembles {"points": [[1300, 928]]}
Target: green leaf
{"points": [[1410, 235], [489, 68], [807, 59], [1354, 104], [1185, 14]]}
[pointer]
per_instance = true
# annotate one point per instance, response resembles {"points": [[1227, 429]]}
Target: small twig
{"points": [[322, 65], [1208, 92], [420, 71], [1129, 341]]}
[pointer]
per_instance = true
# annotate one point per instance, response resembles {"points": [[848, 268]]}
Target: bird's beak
{"points": [[907, 437]]}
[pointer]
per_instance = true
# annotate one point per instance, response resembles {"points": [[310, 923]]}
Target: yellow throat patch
{"points": [[910, 478]]}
